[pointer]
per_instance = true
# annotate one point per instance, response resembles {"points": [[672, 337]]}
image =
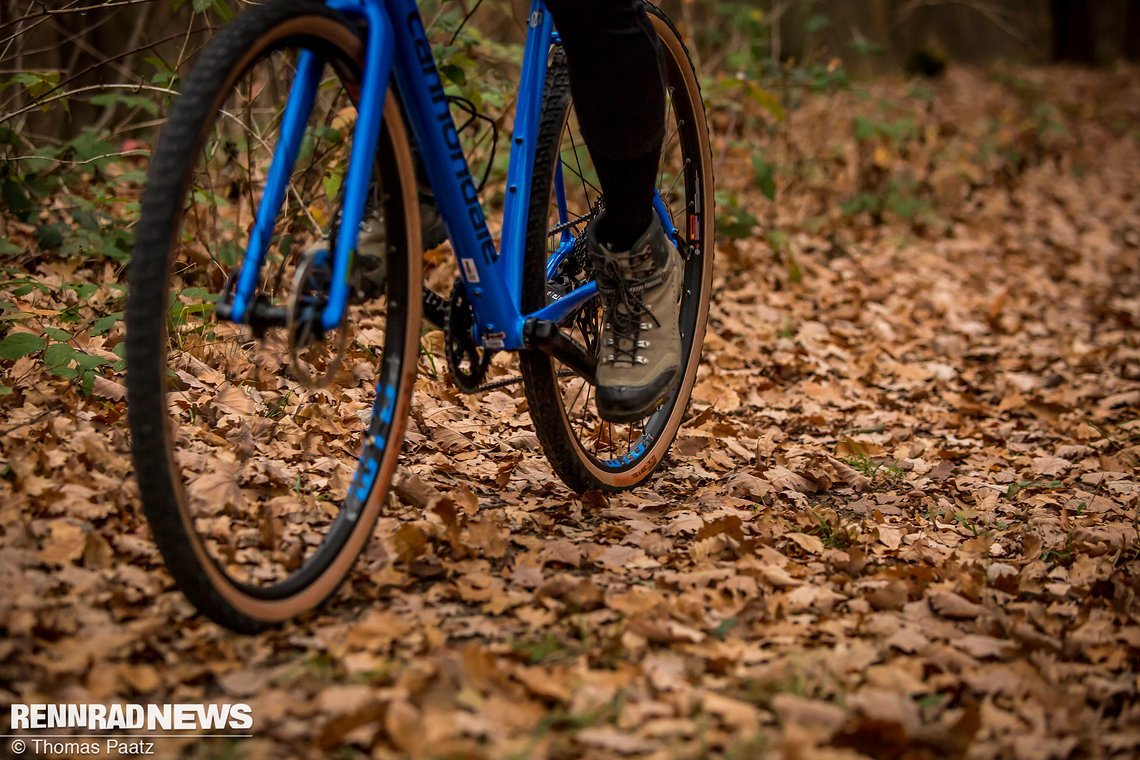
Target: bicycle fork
{"points": [[239, 302]]}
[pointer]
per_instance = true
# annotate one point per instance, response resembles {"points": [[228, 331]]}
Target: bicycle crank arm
{"points": [[435, 308], [264, 315], [546, 337]]}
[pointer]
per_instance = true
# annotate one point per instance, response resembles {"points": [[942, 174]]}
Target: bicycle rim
{"points": [[262, 469], [593, 452]]}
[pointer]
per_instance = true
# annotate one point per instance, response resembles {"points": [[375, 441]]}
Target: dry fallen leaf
{"points": [[951, 605], [898, 519]]}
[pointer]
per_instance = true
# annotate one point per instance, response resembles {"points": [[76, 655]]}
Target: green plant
{"points": [[787, 327], [732, 219], [544, 649], [561, 719], [61, 352], [765, 175], [831, 530], [1014, 489], [888, 471], [967, 520]]}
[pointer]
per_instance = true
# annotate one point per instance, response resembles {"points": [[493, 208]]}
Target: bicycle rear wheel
{"points": [[261, 489], [584, 450]]}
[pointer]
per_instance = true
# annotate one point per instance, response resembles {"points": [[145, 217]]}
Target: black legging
{"points": [[619, 94]]}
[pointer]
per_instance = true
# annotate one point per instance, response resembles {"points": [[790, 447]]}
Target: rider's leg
{"points": [[618, 89], [619, 96]]}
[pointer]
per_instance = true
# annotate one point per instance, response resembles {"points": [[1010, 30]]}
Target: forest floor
{"points": [[902, 521]]}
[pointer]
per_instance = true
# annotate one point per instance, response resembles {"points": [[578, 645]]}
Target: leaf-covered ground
{"points": [[901, 522]]}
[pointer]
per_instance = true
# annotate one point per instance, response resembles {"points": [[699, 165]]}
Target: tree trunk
{"points": [[1073, 38], [1132, 31]]}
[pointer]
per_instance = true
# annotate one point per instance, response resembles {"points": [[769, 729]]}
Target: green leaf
{"points": [[817, 23], [57, 360], [104, 325], [223, 9], [765, 176], [129, 101], [767, 101], [723, 629], [329, 134], [20, 344], [86, 218], [93, 150], [330, 182], [15, 198], [732, 220], [90, 361], [120, 351], [454, 74], [779, 240], [865, 129], [36, 82], [50, 236], [82, 289]]}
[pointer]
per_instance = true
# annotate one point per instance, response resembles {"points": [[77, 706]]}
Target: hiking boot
{"points": [[432, 232], [369, 276], [640, 356]]}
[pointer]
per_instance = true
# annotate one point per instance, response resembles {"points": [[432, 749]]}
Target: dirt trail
{"points": [[902, 521]]}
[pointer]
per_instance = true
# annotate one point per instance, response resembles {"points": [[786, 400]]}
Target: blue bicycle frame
{"points": [[397, 45]]}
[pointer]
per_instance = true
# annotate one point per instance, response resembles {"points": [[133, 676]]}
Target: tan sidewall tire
{"points": [[635, 475], [274, 611]]}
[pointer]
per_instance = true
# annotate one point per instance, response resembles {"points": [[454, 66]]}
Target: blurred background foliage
{"points": [[84, 86]]}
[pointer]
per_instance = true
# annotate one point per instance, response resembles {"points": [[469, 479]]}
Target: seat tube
{"points": [[528, 113]]}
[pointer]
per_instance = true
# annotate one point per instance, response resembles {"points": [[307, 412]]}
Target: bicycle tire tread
{"points": [[542, 392], [146, 370]]}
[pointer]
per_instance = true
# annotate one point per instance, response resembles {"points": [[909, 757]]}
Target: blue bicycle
{"points": [[272, 362]]}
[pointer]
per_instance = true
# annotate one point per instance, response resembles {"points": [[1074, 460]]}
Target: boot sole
{"points": [[625, 415]]}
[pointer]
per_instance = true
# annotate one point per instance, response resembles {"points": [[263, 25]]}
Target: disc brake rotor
{"points": [[315, 355]]}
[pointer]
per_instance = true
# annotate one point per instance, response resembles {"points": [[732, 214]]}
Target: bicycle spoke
{"points": [[580, 173], [612, 443], [585, 183], [665, 196], [668, 142]]}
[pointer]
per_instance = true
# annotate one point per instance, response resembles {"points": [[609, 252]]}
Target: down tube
{"points": [[437, 140], [493, 290]]}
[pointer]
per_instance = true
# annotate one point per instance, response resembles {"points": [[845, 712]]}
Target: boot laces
{"points": [[623, 285]]}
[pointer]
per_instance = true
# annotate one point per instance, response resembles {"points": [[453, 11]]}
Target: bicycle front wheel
{"points": [[585, 450], [252, 477]]}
